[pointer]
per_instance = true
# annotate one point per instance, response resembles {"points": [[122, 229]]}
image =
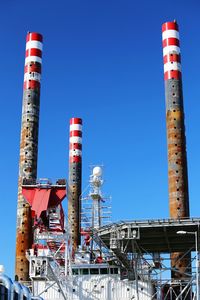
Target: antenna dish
{"points": [[97, 171]]}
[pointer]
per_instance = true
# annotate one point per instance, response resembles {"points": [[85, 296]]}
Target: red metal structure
{"points": [[28, 148], [43, 198], [45, 201]]}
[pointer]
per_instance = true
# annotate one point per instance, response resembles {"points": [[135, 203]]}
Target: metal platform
{"points": [[158, 235]]}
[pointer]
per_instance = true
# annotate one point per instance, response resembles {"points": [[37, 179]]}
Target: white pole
{"points": [[197, 259], [197, 265]]}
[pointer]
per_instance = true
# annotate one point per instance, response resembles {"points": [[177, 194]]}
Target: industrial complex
{"points": [[80, 254]]}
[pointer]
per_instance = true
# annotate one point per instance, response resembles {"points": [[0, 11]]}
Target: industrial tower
{"points": [[28, 148], [177, 159], [75, 172]]}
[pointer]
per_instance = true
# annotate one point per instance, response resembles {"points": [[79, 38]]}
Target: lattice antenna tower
{"points": [[95, 208]]}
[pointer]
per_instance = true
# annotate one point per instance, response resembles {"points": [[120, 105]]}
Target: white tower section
{"points": [[96, 183], [95, 208]]}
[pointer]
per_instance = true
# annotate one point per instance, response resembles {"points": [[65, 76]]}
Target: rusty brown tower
{"points": [[75, 174], [28, 148], [177, 159]]}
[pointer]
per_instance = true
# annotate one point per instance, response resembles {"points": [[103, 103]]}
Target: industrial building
{"points": [[81, 254]]}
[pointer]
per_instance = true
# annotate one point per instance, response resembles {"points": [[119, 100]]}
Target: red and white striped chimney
{"points": [[28, 148], [177, 159], [33, 61], [75, 174]]}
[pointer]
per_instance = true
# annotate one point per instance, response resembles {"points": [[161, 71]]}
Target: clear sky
{"points": [[102, 61]]}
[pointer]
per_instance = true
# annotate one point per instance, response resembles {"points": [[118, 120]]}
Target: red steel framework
{"points": [[47, 215], [28, 148], [75, 172], [177, 159]]}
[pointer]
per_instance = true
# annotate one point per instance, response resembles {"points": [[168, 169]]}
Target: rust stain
{"points": [[177, 182], [181, 265], [74, 214], [177, 165]]}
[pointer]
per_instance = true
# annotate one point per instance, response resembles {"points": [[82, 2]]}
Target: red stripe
{"points": [[75, 121], [33, 67], [75, 146], [172, 57], [169, 26], [33, 52], [173, 74], [75, 159], [75, 133], [170, 42], [34, 36], [31, 84]]}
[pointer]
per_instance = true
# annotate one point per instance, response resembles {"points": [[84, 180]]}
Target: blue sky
{"points": [[102, 61]]}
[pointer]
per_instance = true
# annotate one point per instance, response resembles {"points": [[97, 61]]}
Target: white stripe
{"points": [[169, 66], [171, 49], [75, 152], [75, 127], [75, 139], [33, 58], [170, 34], [32, 76], [34, 44]]}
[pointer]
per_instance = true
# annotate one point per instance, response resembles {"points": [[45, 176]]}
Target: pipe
{"points": [[17, 287], [75, 173], [26, 292], [28, 149], [177, 157], [7, 283]]}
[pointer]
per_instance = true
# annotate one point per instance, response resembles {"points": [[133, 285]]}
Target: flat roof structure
{"points": [[151, 236]]}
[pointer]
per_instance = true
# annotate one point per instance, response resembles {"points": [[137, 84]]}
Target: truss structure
{"points": [[143, 249]]}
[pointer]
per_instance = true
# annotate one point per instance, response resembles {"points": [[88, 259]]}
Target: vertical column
{"points": [[28, 148], [177, 160], [75, 172]]}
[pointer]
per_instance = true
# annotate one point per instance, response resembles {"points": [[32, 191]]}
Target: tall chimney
{"points": [[75, 173], [177, 159], [28, 149]]}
